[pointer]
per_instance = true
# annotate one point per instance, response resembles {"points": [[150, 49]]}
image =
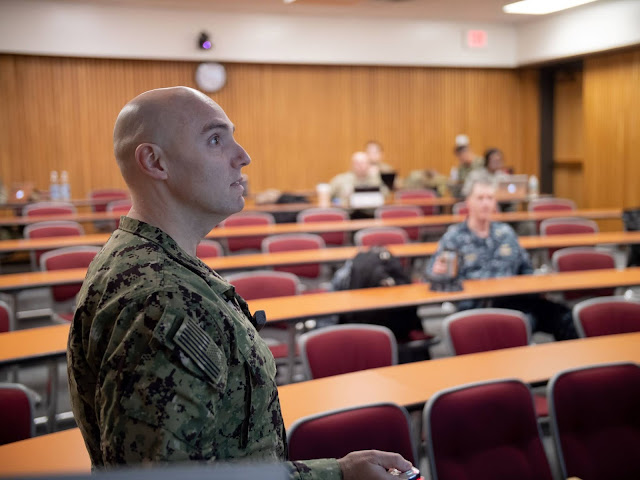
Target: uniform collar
{"points": [[169, 245]]}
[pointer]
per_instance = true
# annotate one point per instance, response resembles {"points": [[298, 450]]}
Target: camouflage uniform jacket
{"points": [[498, 255], [165, 364]]}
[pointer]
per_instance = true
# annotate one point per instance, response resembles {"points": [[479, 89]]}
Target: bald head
{"points": [[155, 117], [360, 164]]}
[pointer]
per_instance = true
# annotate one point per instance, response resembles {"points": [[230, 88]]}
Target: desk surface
{"points": [[408, 384], [352, 225], [24, 345], [22, 281]]}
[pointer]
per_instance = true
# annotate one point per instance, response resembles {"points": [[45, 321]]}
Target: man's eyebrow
{"points": [[218, 126]]}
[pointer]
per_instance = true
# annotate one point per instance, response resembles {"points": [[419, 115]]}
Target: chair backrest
{"points": [[264, 284], [417, 194], [606, 316], [326, 215], [245, 220], [209, 248], [334, 434], [6, 318], [566, 226], [583, 258], [347, 348], [16, 413], [485, 329], [380, 236], [595, 421], [54, 228], [460, 208], [485, 431], [401, 211], [114, 194], [64, 258], [292, 242], [119, 206], [48, 208], [551, 204]]}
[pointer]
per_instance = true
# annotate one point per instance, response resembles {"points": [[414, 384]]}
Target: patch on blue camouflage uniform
{"points": [[505, 250]]}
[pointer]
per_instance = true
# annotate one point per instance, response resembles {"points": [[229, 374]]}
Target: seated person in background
{"points": [[427, 178], [467, 162], [492, 170], [488, 249], [360, 175], [165, 362], [376, 157]]}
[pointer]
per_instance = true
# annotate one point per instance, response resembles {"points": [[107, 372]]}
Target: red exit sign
{"points": [[477, 38]]}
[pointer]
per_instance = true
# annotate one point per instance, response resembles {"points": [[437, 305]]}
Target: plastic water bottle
{"points": [[54, 187], [65, 188], [534, 186]]}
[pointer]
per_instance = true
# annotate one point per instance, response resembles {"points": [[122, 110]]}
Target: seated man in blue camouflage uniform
{"points": [[165, 363], [487, 249]]}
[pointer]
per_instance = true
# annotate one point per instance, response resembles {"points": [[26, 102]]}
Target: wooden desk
{"points": [[22, 281], [320, 227], [24, 345], [78, 202], [409, 385]]}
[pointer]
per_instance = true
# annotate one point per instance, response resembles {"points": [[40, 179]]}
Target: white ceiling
{"points": [[445, 10]]}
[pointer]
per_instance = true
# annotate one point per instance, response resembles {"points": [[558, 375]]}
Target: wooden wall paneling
{"points": [[299, 123], [529, 121], [611, 102]]}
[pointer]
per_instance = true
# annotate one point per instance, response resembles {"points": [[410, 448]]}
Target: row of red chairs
{"points": [[489, 430]]}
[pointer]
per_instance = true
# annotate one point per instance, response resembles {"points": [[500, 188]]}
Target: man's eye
{"points": [[215, 140]]}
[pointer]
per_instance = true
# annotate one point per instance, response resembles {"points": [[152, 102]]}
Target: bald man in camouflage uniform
{"points": [[487, 249], [165, 363]]}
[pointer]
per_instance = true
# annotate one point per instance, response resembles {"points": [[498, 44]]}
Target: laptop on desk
{"points": [[512, 186], [366, 197]]}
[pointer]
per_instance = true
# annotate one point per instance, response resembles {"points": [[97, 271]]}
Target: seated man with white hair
{"points": [[488, 249]]}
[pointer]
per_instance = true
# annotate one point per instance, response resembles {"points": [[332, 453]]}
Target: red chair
{"points": [[334, 434], [61, 259], [566, 226], [579, 259], [105, 196], [606, 316], [595, 421], [258, 284], [419, 194], [245, 220], [380, 236], [293, 242], [312, 215], [460, 208], [6, 318], [485, 431], [48, 208], [487, 329], [119, 206], [209, 248], [50, 229], [347, 348], [551, 204], [16, 413], [401, 211]]}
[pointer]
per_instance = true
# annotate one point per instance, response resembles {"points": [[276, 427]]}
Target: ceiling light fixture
{"points": [[542, 7], [288, 1]]}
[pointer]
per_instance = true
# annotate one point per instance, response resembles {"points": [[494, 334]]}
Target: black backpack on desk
{"points": [[377, 267], [631, 219]]}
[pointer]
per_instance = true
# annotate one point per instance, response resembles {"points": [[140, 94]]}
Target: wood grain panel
{"points": [[612, 136], [299, 123]]}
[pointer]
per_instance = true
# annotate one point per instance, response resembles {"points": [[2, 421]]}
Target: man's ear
{"points": [[150, 160]]}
